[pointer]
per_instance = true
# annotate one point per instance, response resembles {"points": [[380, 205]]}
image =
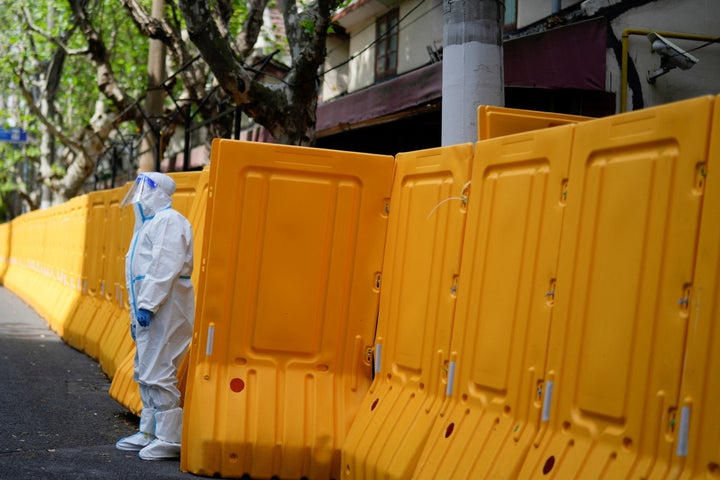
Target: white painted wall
{"points": [[530, 11], [362, 68], [421, 26], [335, 80], [698, 17]]}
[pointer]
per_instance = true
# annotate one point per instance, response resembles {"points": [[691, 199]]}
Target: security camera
{"points": [[671, 56]]}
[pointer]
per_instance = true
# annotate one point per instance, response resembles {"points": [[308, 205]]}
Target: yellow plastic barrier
{"points": [[417, 303], [502, 321], [499, 121], [186, 189], [78, 247], [617, 341], [5, 237], [65, 237], [287, 307], [98, 230], [32, 270], [696, 429], [115, 343], [123, 388]]}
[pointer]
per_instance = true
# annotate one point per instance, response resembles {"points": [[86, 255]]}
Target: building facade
{"points": [[382, 89]]}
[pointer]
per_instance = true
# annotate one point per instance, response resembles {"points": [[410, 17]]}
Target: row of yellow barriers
{"points": [[563, 322], [541, 303]]}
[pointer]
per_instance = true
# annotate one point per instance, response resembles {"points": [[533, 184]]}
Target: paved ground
{"points": [[57, 420]]}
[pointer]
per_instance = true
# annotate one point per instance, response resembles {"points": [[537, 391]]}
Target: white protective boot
{"points": [[143, 438], [168, 432]]}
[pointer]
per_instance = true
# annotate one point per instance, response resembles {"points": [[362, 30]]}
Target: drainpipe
{"points": [[556, 7], [624, 65]]}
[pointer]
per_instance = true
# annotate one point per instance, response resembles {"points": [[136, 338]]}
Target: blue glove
{"points": [[132, 330], [144, 317]]}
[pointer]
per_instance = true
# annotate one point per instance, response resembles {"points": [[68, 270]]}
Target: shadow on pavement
{"points": [[57, 420]]}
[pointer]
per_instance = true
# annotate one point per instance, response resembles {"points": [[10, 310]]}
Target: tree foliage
{"points": [[78, 79]]}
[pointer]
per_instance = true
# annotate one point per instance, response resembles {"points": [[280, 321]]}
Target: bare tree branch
{"points": [[251, 28], [287, 110], [51, 127], [51, 38], [98, 53], [215, 49], [194, 77]]}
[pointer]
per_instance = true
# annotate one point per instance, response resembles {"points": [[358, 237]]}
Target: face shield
{"points": [[139, 190]]}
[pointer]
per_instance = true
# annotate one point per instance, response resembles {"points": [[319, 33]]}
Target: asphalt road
{"points": [[57, 420]]}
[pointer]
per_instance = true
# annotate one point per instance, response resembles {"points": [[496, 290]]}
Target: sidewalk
{"points": [[57, 420]]}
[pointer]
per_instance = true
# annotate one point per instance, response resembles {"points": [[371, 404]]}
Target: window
{"points": [[386, 47], [510, 15]]}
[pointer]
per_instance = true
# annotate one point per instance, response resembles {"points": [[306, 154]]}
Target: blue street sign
{"points": [[13, 135]]}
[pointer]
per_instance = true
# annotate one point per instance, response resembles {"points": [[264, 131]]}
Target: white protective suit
{"points": [[158, 266]]}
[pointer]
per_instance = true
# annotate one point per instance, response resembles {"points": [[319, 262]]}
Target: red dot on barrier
{"points": [[237, 385]]}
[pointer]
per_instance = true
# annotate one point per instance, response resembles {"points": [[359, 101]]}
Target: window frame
{"points": [[387, 33]]}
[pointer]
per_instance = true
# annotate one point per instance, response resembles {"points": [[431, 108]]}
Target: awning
{"points": [[398, 94], [565, 57]]}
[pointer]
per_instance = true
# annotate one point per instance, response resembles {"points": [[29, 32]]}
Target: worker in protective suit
{"points": [[157, 272]]}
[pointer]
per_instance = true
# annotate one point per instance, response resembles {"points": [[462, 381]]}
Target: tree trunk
{"points": [[152, 148], [472, 65], [47, 142]]}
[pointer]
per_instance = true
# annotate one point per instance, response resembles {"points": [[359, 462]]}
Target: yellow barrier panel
{"points": [[26, 277], [697, 423], [196, 217], [502, 321], [115, 343], [96, 261], [5, 237], [65, 248], [73, 332], [626, 265], [123, 388], [286, 309], [417, 303], [184, 196], [499, 121]]}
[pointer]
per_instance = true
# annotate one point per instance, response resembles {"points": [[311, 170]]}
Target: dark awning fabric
{"points": [[400, 93], [565, 57], [570, 57]]}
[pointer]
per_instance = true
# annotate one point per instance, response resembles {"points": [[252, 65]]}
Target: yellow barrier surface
{"points": [[81, 331], [496, 121], [417, 303], [618, 332], [123, 388], [697, 424], [505, 294], [287, 307], [66, 239], [115, 342], [5, 252]]}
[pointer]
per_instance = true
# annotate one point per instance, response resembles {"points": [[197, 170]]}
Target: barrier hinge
{"points": [[369, 354], [684, 301], [700, 175]]}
